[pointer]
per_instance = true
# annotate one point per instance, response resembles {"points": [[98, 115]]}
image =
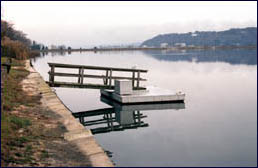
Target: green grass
{"points": [[19, 132], [12, 97], [18, 141], [44, 154], [19, 122], [15, 62]]}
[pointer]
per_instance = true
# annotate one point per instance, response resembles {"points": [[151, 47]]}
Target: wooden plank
{"points": [[92, 76], [93, 112], [119, 127], [105, 121], [85, 85], [95, 67], [78, 85]]}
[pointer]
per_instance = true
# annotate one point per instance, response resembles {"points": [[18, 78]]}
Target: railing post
{"points": [[79, 76], [110, 78], [106, 79], [82, 72], [133, 79], [138, 79], [52, 76]]}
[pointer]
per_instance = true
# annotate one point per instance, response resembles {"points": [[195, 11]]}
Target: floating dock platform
{"points": [[124, 94]]}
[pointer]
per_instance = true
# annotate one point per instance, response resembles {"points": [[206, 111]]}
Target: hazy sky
{"points": [[82, 24]]}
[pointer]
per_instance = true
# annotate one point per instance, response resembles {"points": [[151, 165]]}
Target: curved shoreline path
{"points": [[74, 133]]}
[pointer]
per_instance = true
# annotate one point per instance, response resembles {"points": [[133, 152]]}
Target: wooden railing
{"points": [[107, 77]]}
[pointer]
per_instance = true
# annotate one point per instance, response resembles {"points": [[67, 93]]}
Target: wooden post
{"points": [[139, 116], [79, 77], [106, 117], [111, 121], [138, 79], [52, 76], [110, 78], [106, 79], [133, 79], [82, 72]]}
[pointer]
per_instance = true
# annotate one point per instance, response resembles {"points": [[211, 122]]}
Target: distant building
{"points": [[62, 47], [194, 34], [180, 44], [164, 45], [53, 47]]}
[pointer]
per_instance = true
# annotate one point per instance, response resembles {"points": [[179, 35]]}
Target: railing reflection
{"points": [[120, 117]]}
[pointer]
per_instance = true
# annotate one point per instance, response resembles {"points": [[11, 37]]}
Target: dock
{"points": [[123, 89], [106, 75], [124, 94]]}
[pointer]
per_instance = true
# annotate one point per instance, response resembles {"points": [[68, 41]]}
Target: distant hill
{"points": [[232, 37]]}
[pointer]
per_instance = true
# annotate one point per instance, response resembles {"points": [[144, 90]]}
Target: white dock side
{"points": [[151, 94]]}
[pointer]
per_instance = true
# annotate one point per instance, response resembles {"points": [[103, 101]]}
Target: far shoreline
{"points": [[151, 48]]}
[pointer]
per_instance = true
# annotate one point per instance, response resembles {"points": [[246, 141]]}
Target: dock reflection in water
{"points": [[120, 117]]}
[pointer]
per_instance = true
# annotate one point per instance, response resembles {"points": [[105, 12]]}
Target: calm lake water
{"points": [[216, 126]]}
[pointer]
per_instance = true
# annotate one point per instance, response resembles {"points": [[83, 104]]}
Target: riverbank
{"points": [[38, 130]]}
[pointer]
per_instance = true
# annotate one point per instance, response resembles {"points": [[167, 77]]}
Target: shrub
{"points": [[14, 49]]}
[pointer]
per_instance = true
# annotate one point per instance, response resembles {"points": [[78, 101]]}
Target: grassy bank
{"points": [[17, 137], [31, 134]]}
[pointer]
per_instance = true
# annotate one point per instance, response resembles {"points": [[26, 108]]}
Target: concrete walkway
{"points": [[76, 133]]}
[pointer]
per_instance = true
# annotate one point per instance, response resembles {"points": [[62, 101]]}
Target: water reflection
{"points": [[218, 127], [233, 56], [236, 56], [120, 117]]}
